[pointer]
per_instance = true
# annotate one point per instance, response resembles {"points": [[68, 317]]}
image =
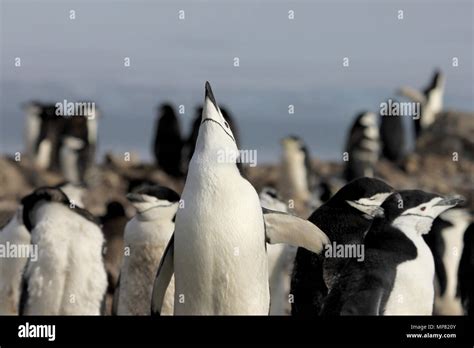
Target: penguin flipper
{"points": [[412, 94], [281, 227], [365, 302], [163, 278]]}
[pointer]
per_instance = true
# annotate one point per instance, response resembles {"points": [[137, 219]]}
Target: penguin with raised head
{"points": [[397, 273], [68, 277], [168, 143], [11, 268], [191, 141], [446, 243], [392, 137], [466, 271], [345, 217], [430, 99], [362, 147], [145, 239], [217, 252]]}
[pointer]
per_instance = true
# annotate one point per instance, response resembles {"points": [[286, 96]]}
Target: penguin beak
{"points": [[451, 201], [210, 108]]}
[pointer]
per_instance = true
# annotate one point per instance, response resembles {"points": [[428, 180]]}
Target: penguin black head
{"points": [[41, 195], [364, 194], [166, 110], [437, 79], [45, 195], [417, 208], [293, 142], [147, 197], [114, 209]]}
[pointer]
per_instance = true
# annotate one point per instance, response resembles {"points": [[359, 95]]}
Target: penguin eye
{"points": [[423, 208], [226, 124]]}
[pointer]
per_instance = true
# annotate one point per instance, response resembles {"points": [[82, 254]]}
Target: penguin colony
{"points": [[221, 248]]}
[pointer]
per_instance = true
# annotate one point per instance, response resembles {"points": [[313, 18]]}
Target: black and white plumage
{"points": [[223, 224], [430, 99], [396, 275], [345, 217], [446, 243], [145, 239], [168, 144], [362, 147], [69, 277]]}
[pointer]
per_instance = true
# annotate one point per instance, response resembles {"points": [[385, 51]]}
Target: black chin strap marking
{"points": [[210, 119], [413, 214]]}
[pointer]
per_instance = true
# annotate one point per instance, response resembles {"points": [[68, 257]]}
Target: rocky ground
{"points": [[443, 162]]}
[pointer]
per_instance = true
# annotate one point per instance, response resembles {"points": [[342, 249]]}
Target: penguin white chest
{"points": [[413, 290], [219, 252]]}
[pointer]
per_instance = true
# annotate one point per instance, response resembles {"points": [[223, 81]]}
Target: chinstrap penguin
{"points": [[362, 147], [145, 239], [69, 277], [345, 217], [397, 273], [218, 251]]}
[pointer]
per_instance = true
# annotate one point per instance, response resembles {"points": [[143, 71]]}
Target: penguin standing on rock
{"points": [[217, 252], [146, 237], [397, 273], [168, 143], [346, 217], [430, 99], [363, 147], [68, 277]]}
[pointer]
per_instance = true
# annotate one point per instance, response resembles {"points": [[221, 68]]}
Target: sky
{"points": [[282, 62]]}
